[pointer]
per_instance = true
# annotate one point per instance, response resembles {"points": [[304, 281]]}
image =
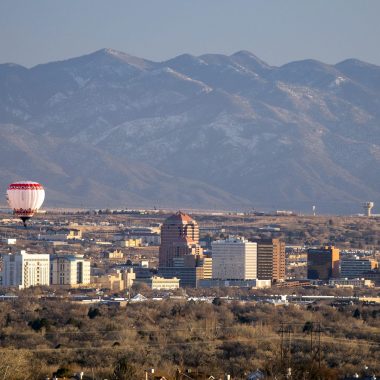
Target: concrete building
{"points": [[215, 283], [271, 260], [62, 234], [116, 281], [147, 235], [234, 259], [127, 243], [9, 241], [147, 238], [323, 263], [141, 272], [114, 255], [69, 270], [373, 275], [355, 268], [23, 270], [161, 283], [188, 276], [351, 283]]}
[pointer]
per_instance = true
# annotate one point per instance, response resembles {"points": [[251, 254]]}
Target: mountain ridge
{"points": [[255, 135]]}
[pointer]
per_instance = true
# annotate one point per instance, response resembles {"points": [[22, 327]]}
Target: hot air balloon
{"points": [[25, 198]]}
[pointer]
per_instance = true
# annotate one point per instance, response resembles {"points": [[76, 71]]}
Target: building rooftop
{"points": [[179, 217], [236, 239]]}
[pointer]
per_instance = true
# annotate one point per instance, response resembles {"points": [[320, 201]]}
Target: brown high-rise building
{"points": [[271, 260], [180, 254], [279, 261], [179, 238], [322, 263]]}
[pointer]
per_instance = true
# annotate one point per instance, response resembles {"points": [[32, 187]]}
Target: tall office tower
{"points": [[180, 254], [323, 263], [271, 260], [179, 238], [234, 259], [69, 270], [24, 270]]}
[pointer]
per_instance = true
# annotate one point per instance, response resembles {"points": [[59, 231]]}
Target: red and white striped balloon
{"points": [[25, 198]]}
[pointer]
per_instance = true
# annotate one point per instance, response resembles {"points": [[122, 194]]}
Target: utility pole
{"points": [[289, 370], [282, 342], [311, 337], [286, 349], [317, 353], [315, 345]]}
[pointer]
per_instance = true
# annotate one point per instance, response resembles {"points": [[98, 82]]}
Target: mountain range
{"points": [[216, 132]]}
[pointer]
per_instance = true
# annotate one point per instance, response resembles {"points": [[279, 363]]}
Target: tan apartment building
{"points": [[271, 260]]}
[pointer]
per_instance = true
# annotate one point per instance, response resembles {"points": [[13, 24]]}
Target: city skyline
{"points": [[211, 176]]}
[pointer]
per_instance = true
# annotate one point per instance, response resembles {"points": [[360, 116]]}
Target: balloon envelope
{"points": [[25, 198]]}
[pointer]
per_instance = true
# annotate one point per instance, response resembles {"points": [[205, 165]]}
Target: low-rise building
{"points": [[116, 281], [161, 283], [188, 276], [74, 234], [351, 283], [144, 263], [355, 267], [114, 255], [216, 283], [126, 243], [373, 275], [62, 234], [147, 235], [9, 241]]}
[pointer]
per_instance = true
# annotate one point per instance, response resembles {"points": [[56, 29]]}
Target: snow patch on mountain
{"points": [[56, 98], [338, 81]]}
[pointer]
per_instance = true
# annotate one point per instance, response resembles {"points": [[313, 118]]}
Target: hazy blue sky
{"points": [[36, 31]]}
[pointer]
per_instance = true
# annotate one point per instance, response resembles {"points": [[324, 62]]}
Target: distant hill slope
{"points": [[213, 131]]}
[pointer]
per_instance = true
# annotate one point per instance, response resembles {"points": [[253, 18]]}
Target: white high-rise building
{"points": [[24, 270], [69, 270], [234, 259]]}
